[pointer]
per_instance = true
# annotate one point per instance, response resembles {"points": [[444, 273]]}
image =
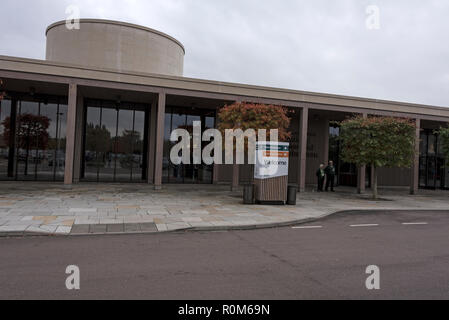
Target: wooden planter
{"points": [[271, 190]]}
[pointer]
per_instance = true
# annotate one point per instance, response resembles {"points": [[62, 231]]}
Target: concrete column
{"points": [[303, 130], [326, 140], [78, 139], [152, 140], [414, 183], [159, 143], [235, 177], [361, 176], [70, 137], [216, 170]]}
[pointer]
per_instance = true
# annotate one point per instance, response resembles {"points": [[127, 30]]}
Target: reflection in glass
{"points": [[183, 118], [52, 155], [107, 154], [176, 172], [114, 142], [138, 147], [125, 140], [5, 113], [167, 145], [38, 143], [93, 130]]}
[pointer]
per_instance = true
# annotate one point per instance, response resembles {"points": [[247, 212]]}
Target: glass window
{"points": [[126, 139], [106, 143], [176, 172], [138, 146], [5, 113], [423, 143], [39, 140], [94, 134], [60, 147], [31, 134], [167, 144], [431, 144], [47, 152]]}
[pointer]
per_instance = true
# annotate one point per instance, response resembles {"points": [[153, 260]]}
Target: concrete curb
{"points": [[213, 228]]}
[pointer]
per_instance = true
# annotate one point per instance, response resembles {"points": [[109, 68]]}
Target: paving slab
{"points": [[47, 208]]}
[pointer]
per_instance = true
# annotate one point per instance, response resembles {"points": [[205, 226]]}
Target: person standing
{"points": [[321, 175], [330, 176]]}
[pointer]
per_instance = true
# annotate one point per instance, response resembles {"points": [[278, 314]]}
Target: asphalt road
{"points": [[325, 260]]}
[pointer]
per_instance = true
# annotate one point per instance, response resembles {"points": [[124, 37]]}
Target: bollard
{"points": [[291, 195], [248, 194]]}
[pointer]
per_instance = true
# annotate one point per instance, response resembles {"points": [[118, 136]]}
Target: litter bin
{"points": [[291, 195], [248, 194]]}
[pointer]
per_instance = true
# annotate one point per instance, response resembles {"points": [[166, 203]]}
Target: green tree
{"points": [[98, 139], [443, 135], [379, 142]]}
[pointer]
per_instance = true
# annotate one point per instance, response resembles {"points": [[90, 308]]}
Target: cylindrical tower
{"points": [[115, 45]]}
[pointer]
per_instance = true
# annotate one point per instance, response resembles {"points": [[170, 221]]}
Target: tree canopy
{"points": [[379, 142], [244, 116]]}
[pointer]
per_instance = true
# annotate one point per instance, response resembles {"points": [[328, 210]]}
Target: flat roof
{"points": [[121, 24], [66, 73]]}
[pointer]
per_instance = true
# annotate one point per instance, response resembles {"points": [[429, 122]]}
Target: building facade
{"points": [[103, 104]]}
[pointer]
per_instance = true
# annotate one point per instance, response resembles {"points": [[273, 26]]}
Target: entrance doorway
{"points": [[433, 169], [346, 172], [183, 118]]}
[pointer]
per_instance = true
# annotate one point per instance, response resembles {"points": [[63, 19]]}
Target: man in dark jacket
{"points": [[330, 176], [321, 175]]}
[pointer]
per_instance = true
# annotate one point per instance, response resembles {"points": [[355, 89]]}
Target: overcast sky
{"points": [[319, 45]]}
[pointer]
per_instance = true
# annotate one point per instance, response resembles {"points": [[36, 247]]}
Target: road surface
{"points": [[322, 260]]}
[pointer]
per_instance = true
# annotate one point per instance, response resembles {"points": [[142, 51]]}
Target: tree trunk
{"points": [[374, 183]]}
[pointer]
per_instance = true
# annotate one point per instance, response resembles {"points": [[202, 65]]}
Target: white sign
{"points": [[271, 160]]}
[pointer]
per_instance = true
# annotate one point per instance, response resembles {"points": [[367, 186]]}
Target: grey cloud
{"points": [[320, 46]]}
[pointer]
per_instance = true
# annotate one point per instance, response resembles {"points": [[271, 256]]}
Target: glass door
{"points": [[183, 118], [32, 139], [114, 142]]}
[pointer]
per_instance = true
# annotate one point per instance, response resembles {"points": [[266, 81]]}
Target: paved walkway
{"points": [[41, 208]]}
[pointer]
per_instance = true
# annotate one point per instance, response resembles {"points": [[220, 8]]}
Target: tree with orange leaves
{"points": [[244, 116], [2, 94], [251, 116]]}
